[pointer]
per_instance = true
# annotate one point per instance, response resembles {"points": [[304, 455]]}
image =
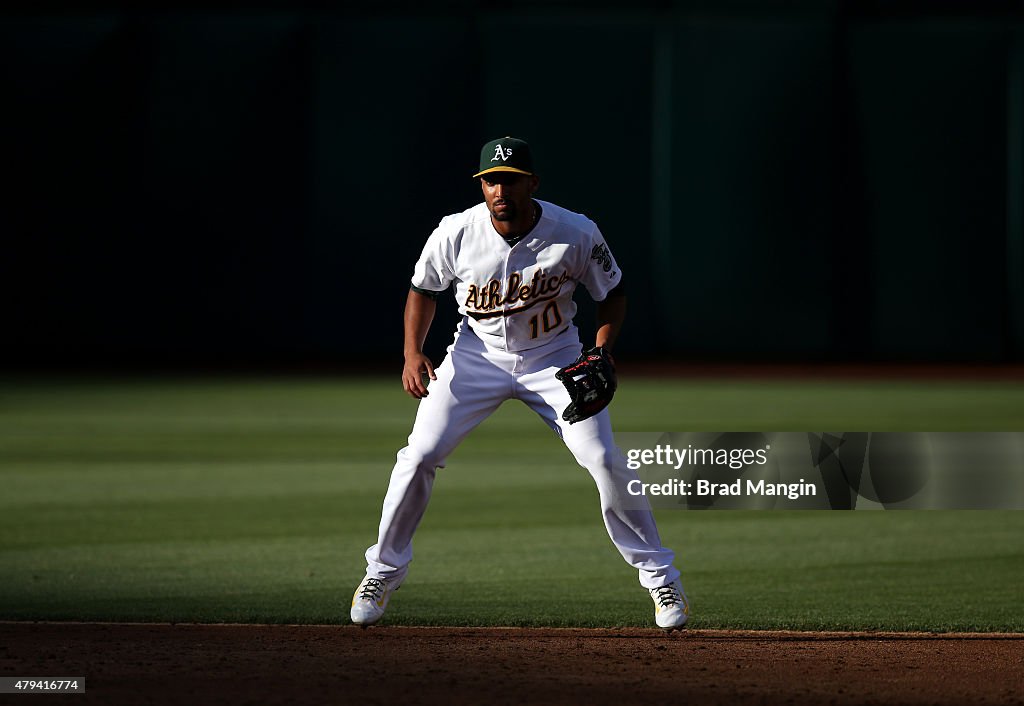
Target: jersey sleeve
{"points": [[600, 273], [434, 271]]}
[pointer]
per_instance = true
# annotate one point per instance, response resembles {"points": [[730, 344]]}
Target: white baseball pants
{"points": [[472, 382]]}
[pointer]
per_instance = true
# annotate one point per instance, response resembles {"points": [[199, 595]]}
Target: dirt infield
{"points": [[238, 664]]}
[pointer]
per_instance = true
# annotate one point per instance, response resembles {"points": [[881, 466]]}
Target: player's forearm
{"points": [[611, 313], [419, 313]]}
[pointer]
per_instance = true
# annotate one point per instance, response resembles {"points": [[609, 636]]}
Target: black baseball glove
{"points": [[591, 383]]}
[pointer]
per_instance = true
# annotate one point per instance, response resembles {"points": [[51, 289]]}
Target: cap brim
{"points": [[502, 169]]}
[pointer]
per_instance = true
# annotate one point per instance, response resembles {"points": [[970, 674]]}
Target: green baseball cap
{"points": [[506, 154]]}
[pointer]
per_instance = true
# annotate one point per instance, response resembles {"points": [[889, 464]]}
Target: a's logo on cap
{"points": [[501, 154]]}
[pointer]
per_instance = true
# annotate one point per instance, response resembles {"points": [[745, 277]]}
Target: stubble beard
{"points": [[509, 214]]}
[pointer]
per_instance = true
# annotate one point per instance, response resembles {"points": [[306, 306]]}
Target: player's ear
{"points": [[534, 183]]}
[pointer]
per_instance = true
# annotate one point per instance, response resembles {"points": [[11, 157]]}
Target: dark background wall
{"points": [[797, 181]]}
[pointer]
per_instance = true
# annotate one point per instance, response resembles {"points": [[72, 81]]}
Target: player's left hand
{"points": [[591, 383]]}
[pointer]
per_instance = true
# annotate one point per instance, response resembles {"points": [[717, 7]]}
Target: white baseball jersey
{"points": [[517, 298]]}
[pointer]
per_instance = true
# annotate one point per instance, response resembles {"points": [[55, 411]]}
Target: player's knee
{"points": [[598, 460], [423, 457]]}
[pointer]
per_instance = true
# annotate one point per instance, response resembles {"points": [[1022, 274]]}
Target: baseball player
{"points": [[514, 262]]}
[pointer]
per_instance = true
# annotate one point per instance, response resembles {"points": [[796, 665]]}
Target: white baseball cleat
{"points": [[671, 608], [371, 599]]}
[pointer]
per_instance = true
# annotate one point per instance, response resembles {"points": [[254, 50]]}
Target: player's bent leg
{"points": [[388, 560], [460, 398], [628, 519], [405, 502]]}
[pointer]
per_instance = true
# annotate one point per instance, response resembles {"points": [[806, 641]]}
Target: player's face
{"points": [[508, 194]]}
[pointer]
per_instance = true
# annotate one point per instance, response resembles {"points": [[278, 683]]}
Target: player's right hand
{"points": [[412, 375]]}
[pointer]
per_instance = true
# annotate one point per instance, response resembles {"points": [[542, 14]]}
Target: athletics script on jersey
{"points": [[485, 301]]}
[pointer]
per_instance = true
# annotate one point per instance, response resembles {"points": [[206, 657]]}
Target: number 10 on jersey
{"points": [[549, 319]]}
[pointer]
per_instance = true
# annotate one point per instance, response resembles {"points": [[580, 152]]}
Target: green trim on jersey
{"points": [[425, 292]]}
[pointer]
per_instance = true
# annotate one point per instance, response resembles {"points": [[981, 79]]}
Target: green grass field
{"points": [[252, 500]]}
